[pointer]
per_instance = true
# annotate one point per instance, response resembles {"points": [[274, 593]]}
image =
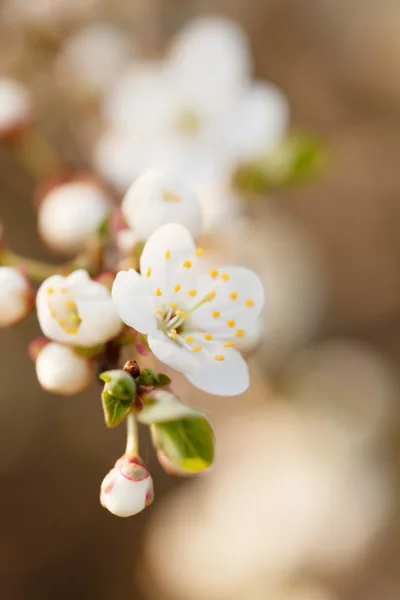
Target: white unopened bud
{"points": [[158, 197], [61, 371], [15, 107], [93, 57], [70, 213], [15, 296], [128, 487]]}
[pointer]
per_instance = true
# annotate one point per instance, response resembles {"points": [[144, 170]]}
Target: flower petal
{"points": [[239, 299], [169, 262], [258, 121], [134, 302], [228, 376], [172, 355]]}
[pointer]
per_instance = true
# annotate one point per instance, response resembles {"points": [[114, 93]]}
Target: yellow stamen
{"points": [[199, 252], [249, 303], [229, 344], [172, 305], [212, 295], [167, 255], [50, 291], [181, 313], [160, 312], [225, 276], [187, 264], [192, 293], [219, 357], [240, 333], [231, 323], [189, 339], [173, 333], [148, 272], [233, 295], [70, 304], [213, 273], [216, 314], [63, 290], [170, 196], [61, 323], [197, 348], [72, 330], [158, 292], [177, 288], [208, 337]]}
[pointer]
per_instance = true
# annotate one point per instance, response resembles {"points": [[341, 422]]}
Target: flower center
{"points": [[63, 309], [189, 123]]}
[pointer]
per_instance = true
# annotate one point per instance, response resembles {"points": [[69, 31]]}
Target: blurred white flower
{"points": [[70, 213], [15, 296], [197, 112], [76, 310], [15, 106], [47, 13], [299, 501], [128, 487], [92, 57], [192, 316], [61, 371], [156, 198]]}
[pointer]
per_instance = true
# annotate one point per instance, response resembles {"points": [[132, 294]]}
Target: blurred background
{"points": [[303, 502]]}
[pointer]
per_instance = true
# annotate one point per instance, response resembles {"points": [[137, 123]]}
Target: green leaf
{"points": [[160, 406], [188, 443], [115, 409], [299, 158], [149, 378], [118, 396]]}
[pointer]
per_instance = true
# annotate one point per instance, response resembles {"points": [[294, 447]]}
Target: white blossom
{"points": [[192, 316], [197, 112], [76, 310], [15, 106], [159, 197], [128, 487], [61, 371], [15, 296], [70, 213]]}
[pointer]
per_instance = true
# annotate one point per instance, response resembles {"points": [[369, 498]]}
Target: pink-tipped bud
{"points": [[128, 487], [36, 346], [16, 298], [61, 371]]}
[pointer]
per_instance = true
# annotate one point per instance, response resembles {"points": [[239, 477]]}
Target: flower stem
{"points": [[132, 435], [34, 269]]}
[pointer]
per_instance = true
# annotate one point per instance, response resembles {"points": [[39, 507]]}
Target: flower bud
{"points": [[70, 213], [92, 58], [15, 107], [61, 371], [128, 487], [15, 296], [158, 197]]}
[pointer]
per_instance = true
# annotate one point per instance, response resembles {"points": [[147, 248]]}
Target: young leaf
{"points": [[160, 406], [187, 443], [115, 409]]}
